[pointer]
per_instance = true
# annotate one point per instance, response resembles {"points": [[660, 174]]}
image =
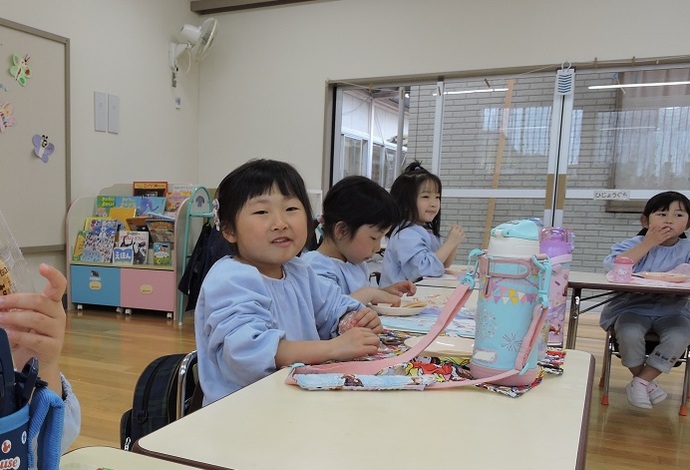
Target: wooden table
{"points": [[270, 425], [92, 458], [577, 281]]}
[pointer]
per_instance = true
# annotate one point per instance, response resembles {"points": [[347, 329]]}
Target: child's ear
{"points": [[645, 221], [229, 235], [340, 230]]}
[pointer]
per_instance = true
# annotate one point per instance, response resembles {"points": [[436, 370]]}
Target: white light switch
{"points": [[113, 114], [100, 111]]}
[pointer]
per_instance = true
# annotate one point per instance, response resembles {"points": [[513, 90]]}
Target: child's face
{"points": [[363, 245], [270, 230], [428, 202], [674, 221]]}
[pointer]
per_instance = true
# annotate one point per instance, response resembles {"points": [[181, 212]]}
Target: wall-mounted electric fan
{"points": [[198, 40]]}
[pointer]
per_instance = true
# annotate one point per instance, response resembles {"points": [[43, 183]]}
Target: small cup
{"points": [[622, 269]]}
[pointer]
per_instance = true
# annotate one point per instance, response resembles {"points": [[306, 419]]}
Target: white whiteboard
{"points": [[34, 196]]}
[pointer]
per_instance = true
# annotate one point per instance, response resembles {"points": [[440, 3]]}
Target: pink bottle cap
{"points": [[623, 260]]}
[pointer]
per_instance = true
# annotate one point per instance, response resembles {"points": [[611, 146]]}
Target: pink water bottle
{"points": [[622, 269]]}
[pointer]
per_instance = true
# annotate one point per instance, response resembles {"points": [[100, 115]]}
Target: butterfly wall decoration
{"points": [[42, 148], [20, 70]]}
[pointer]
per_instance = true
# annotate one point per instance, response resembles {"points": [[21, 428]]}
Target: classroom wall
{"points": [[262, 88], [120, 47]]}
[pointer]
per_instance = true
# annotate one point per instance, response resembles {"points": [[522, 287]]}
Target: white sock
{"points": [[641, 381]]}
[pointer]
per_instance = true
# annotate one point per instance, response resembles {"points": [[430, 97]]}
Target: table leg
{"points": [[574, 314]]}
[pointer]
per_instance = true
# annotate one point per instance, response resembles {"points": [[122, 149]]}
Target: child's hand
{"points": [[401, 288], [35, 325], [456, 234], [658, 234], [354, 343], [365, 318]]}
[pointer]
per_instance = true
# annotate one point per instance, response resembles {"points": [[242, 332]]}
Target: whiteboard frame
{"points": [[43, 248]]}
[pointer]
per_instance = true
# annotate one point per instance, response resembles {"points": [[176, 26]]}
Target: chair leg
{"points": [[606, 369], [683, 411]]}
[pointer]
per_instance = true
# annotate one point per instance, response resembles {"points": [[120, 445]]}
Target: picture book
{"points": [[102, 226], [123, 255], [139, 241], [150, 188], [95, 221], [162, 254], [137, 224], [99, 244], [161, 230], [79, 244], [177, 193], [125, 201], [103, 205], [122, 214], [149, 205]]}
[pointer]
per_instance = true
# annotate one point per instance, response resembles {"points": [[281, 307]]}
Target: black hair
{"points": [[663, 201], [405, 190], [254, 178], [357, 201]]}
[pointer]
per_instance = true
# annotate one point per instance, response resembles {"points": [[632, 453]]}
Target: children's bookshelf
{"points": [[147, 286]]}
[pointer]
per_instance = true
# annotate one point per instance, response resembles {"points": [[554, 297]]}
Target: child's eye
{"points": [[260, 212], [290, 209]]}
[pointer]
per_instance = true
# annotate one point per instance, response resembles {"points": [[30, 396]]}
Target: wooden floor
{"points": [[105, 352]]}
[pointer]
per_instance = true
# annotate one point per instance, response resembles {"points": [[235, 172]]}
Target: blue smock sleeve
{"points": [[416, 255], [235, 328], [72, 416]]}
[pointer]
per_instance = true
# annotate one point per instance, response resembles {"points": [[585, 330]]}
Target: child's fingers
{"points": [[57, 283]]}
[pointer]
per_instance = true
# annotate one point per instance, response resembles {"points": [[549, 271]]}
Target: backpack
{"points": [[155, 399]]}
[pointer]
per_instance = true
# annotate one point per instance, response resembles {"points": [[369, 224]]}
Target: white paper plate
{"points": [[445, 346], [386, 309]]}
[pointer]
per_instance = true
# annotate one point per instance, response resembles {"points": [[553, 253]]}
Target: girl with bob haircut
{"points": [[262, 308]]}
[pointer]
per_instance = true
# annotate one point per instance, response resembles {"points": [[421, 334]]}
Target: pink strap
{"points": [[455, 302], [459, 297]]}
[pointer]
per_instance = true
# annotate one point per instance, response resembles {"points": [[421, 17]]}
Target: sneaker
{"points": [[656, 394], [637, 395]]}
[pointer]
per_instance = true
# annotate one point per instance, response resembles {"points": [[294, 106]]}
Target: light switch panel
{"points": [[113, 114], [100, 111]]}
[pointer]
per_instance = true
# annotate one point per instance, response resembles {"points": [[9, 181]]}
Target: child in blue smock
{"points": [[262, 308], [659, 247], [357, 214], [35, 326], [415, 248]]}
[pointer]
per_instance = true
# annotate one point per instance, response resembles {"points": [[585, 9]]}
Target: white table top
{"points": [[92, 458], [598, 281], [271, 425]]}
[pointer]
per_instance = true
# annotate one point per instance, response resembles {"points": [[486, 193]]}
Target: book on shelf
{"points": [[137, 224], [79, 244], [123, 255], [162, 254], [147, 205], [94, 223], [150, 188], [161, 230], [136, 242], [102, 226], [103, 205], [122, 214], [140, 245], [177, 193], [99, 241]]}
